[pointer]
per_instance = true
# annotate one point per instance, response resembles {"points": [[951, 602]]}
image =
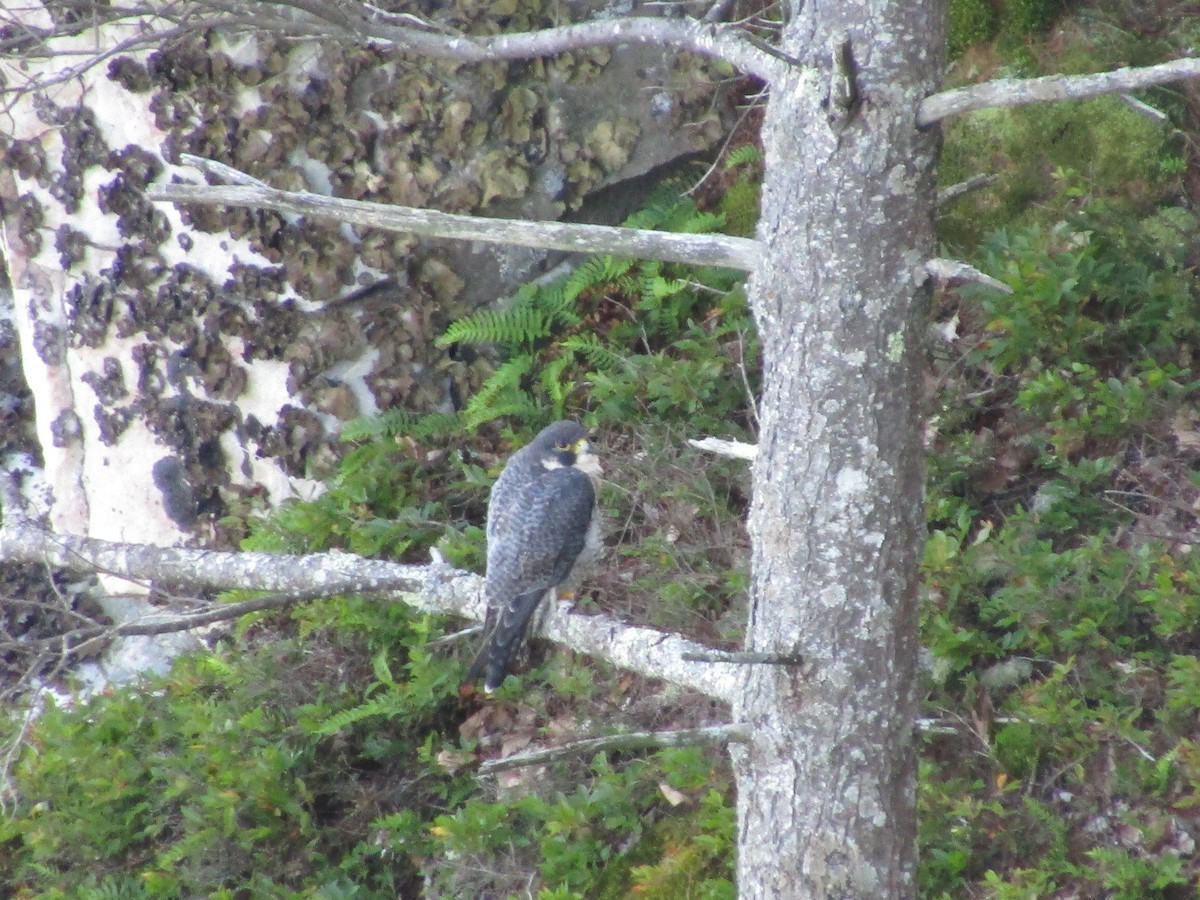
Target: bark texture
{"points": [[826, 785]]}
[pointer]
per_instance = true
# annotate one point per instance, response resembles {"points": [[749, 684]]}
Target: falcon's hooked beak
{"points": [[585, 459]]}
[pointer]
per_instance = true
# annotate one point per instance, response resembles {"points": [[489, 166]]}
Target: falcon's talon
{"points": [[543, 526]]}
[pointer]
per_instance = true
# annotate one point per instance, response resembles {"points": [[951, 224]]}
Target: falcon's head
{"points": [[566, 444]]}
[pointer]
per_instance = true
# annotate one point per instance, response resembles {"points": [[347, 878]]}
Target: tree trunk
{"points": [[827, 785]]}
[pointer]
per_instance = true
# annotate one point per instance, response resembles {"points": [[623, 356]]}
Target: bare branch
{"points": [[695, 249], [974, 183], [155, 622], [684, 737], [746, 658], [434, 588], [1019, 91], [954, 272], [362, 23], [703, 38], [734, 449], [1145, 109], [334, 573], [221, 171]]}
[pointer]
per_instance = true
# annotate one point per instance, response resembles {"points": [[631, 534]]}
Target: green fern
{"points": [[701, 223], [114, 887], [502, 384], [665, 302], [396, 421], [387, 704], [597, 355], [742, 156], [504, 394], [560, 307], [520, 407], [522, 324], [557, 387], [667, 207], [601, 270]]}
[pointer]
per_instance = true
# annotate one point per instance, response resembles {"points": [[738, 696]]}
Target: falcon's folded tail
{"points": [[503, 639]]}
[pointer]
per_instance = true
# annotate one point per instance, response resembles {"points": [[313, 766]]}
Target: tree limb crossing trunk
{"points": [[827, 783]]}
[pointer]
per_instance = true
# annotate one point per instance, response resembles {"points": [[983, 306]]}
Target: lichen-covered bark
{"points": [[827, 784]]}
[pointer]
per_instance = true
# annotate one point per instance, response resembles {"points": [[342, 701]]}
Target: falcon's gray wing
{"points": [[536, 533]]}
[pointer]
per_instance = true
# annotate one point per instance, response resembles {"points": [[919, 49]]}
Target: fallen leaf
{"points": [[673, 796], [453, 760]]}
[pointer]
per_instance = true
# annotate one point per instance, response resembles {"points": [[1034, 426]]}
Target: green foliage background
{"points": [[330, 753]]}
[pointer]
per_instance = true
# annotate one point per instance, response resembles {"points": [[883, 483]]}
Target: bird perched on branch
{"points": [[543, 527]]}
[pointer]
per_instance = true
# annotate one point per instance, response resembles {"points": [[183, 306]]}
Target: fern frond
{"points": [[663, 203], [653, 288], [557, 388], [393, 422], [701, 223], [520, 407], [500, 393], [743, 155], [521, 325], [559, 308], [383, 705], [600, 270], [597, 355], [508, 376]]}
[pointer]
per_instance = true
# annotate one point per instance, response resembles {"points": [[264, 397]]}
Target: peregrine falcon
{"points": [[543, 525]]}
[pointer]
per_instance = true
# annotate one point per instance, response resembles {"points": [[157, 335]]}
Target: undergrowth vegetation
{"points": [[331, 753]]}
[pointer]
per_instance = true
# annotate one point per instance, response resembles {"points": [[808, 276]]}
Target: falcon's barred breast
{"points": [[543, 525]]}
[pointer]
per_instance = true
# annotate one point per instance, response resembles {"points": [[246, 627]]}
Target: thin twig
{"points": [[751, 400], [685, 737], [746, 657]]}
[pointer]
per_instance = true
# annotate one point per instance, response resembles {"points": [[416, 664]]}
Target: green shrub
{"points": [[971, 22], [214, 780]]}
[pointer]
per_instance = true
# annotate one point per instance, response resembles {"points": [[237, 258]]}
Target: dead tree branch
{"points": [[1020, 91], [747, 658], [410, 35], [974, 183], [433, 588], [732, 449], [695, 249], [684, 737], [953, 272]]}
